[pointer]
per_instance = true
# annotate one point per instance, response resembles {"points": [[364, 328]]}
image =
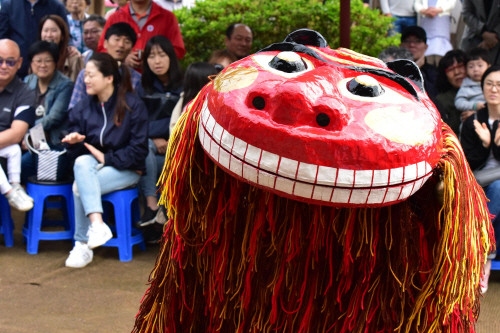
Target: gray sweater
{"points": [[469, 94]]}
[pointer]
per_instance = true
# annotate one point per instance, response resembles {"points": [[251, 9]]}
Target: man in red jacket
{"points": [[148, 19]]}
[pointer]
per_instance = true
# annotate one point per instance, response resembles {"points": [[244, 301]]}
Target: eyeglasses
{"points": [[9, 62], [490, 85], [43, 61]]}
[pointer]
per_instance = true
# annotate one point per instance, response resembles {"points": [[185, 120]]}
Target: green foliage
{"points": [[203, 26]]}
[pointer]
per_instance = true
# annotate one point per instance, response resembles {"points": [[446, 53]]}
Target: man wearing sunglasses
{"points": [[16, 116]]}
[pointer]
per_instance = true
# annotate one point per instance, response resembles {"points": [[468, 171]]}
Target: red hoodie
{"points": [[159, 22]]}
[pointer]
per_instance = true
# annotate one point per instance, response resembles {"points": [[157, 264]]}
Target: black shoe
{"points": [[148, 218], [152, 233]]}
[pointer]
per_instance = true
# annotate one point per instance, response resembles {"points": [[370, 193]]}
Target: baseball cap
{"points": [[414, 30]]}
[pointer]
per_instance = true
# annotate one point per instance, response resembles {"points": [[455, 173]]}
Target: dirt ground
{"points": [[39, 294]]}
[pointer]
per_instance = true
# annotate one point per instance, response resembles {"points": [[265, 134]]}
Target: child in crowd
{"points": [[12, 188], [470, 96]]}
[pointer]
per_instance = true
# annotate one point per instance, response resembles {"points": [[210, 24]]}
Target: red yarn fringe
{"points": [[239, 259]]}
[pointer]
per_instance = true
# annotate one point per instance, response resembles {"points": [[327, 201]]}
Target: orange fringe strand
{"points": [[239, 259]]}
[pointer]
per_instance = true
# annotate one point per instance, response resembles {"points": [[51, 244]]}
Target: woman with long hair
{"points": [[160, 90], [108, 136], [52, 28]]}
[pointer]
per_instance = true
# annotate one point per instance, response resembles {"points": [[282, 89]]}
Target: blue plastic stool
{"points": [[126, 210], [495, 265], [6, 222], [40, 191]]}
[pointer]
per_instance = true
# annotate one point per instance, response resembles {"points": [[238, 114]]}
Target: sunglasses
{"points": [[9, 62]]}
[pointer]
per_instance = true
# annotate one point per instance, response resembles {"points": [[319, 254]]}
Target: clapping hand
{"points": [[484, 133]]}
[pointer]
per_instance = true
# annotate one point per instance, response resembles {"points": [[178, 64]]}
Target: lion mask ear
{"points": [[306, 37], [408, 69]]}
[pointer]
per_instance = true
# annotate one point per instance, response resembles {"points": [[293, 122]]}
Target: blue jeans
{"points": [[154, 165], [401, 23], [493, 193], [91, 181]]}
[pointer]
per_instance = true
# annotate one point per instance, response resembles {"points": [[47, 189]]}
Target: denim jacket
{"points": [[55, 120]]}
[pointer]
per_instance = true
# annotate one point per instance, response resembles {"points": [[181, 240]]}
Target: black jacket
{"points": [[476, 154], [124, 146], [160, 104]]}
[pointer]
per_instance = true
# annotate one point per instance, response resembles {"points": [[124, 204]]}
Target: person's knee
{"points": [[83, 162]]}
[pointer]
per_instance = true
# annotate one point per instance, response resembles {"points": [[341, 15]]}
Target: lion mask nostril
{"points": [[259, 103], [323, 119]]}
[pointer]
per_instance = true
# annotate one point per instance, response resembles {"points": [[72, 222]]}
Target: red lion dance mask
{"points": [[317, 190]]}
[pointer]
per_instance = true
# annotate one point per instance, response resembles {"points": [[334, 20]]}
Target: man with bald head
{"points": [[239, 38], [16, 116]]}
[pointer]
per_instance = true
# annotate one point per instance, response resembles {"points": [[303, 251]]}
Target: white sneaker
{"points": [[17, 201], [486, 276], [80, 256], [99, 234], [22, 192]]}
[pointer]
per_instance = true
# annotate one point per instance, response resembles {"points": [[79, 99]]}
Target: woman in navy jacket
{"points": [[108, 133]]}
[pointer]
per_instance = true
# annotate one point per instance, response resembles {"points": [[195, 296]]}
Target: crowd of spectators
{"points": [[464, 82], [105, 90]]}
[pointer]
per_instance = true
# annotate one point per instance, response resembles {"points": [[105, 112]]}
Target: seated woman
{"points": [[52, 28], [160, 90], [480, 140], [53, 92], [109, 136]]}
